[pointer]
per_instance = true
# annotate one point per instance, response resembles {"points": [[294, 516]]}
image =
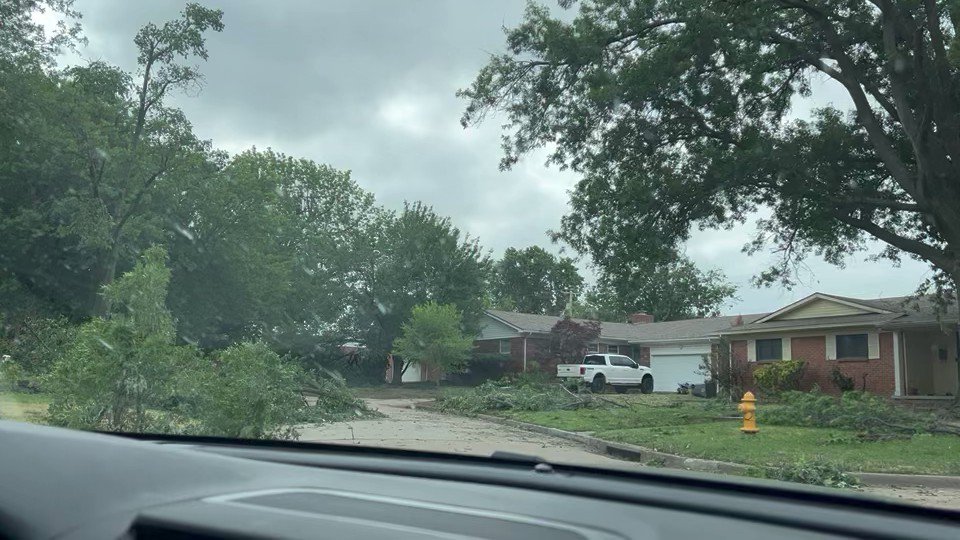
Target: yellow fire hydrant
{"points": [[748, 406]]}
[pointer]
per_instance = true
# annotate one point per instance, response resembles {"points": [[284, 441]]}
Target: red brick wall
{"points": [[643, 356], [812, 350]]}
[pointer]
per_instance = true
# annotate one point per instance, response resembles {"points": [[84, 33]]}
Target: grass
{"points": [[23, 407], [701, 428], [921, 454]]}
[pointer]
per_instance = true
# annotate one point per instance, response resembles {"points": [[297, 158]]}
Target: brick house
{"points": [[674, 350], [890, 346]]}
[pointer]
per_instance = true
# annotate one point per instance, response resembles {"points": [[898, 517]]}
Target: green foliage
{"points": [[120, 369], [841, 381], [569, 339], [533, 280], [433, 338], [677, 112], [250, 393], [506, 394], [870, 416], [334, 402], [817, 472], [669, 291], [780, 376], [39, 342], [413, 257]]}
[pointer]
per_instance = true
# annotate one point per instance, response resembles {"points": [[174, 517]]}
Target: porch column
{"points": [[524, 354], [897, 368]]}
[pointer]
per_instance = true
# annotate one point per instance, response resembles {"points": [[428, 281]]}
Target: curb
{"points": [[623, 450], [633, 452]]}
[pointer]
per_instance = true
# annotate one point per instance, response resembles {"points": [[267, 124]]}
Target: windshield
{"points": [[353, 222]]}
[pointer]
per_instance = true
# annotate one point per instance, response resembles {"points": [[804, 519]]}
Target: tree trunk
{"points": [[106, 271], [399, 368]]}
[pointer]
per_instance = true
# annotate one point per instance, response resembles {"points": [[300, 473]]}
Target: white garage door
{"points": [[669, 370]]}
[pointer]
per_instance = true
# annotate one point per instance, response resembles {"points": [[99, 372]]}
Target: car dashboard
{"points": [[67, 484]]}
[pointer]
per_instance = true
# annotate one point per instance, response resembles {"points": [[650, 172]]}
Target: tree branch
{"points": [[926, 251]]}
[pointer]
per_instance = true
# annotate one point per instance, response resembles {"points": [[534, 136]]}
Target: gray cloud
{"points": [[369, 86]]}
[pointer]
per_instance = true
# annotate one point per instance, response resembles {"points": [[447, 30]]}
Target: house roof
{"points": [[687, 329], [892, 312]]}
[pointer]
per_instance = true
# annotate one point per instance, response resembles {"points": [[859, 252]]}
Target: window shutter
{"points": [[831, 340], [873, 345], [751, 350], [786, 348]]}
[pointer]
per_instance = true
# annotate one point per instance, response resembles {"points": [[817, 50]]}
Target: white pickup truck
{"points": [[599, 370]]}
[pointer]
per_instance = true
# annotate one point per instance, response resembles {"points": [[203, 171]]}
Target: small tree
{"points": [[121, 368], [719, 367], [569, 338], [433, 337]]}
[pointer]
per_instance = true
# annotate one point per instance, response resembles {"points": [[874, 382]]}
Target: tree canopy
{"points": [[678, 111], [533, 280], [434, 337]]}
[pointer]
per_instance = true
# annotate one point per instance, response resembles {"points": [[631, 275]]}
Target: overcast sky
{"points": [[369, 86]]}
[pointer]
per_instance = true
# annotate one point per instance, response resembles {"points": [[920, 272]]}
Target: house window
{"points": [[852, 346], [613, 349], [769, 349], [593, 347], [504, 346]]}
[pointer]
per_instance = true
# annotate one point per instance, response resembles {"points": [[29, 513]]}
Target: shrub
{"points": [[841, 381], [729, 375], [777, 377], [816, 472], [39, 343]]}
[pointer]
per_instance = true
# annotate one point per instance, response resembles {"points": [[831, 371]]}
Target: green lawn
{"points": [[23, 407], [922, 454], [698, 428]]}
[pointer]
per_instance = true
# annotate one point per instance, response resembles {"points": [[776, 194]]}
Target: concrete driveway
{"points": [[407, 426]]}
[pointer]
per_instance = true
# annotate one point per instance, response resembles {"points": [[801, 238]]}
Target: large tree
{"points": [[413, 257], [670, 291], [127, 150], [532, 280], [677, 110]]}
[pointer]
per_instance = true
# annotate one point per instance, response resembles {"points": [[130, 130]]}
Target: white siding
{"points": [[820, 308], [785, 341], [491, 328], [751, 350]]}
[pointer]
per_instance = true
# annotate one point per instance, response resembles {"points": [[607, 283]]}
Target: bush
{"points": [[39, 343], [816, 472], [841, 381], [864, 412], [777, 377]]}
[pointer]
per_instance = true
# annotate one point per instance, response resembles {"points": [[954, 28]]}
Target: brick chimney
{"points": [[738, 321], [640, 317]]}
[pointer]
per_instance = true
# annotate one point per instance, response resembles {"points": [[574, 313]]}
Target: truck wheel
{"points": [[598, 384], [621, 389], [646, 384]]}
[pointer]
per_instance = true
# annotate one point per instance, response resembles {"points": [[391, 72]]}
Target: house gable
{"points": [[491, 328], [820, 305]]}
